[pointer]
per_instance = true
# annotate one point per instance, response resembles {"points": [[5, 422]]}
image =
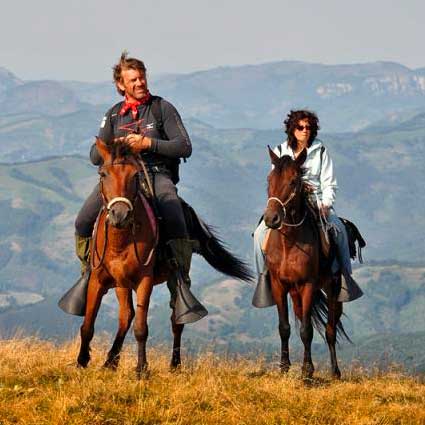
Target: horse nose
{"points": [[272, 220], [275, 222], [118, 216]]}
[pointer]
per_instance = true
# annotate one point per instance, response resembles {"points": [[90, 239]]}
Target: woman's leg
{"points": [[259, 235], [340, 237], [350, 291], [263, 296]]}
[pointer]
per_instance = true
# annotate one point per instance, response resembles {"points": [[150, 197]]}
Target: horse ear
{"points": [[102, 149], [274, 158], [301, 157]]}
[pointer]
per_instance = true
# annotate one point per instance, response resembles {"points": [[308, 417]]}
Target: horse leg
{"points": [[95, 293], [281, 297], [141, 331], [334, 315], [177, 333], [125, 317], [306, 330]]}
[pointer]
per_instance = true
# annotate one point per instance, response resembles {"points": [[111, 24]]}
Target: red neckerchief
{"points": [[133, 105]]}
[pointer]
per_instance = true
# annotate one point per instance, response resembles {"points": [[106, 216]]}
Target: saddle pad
{"points": [[150, 213]]}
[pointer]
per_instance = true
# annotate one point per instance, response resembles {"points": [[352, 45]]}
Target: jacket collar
{"points": [[286, 150]]}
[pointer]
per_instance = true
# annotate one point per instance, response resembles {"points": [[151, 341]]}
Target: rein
{"points": [[283, 205], [133, 227]]}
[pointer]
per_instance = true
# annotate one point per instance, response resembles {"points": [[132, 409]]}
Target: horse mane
{"points": [[120, 150]]}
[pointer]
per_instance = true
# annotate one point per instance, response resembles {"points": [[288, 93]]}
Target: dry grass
{"points": [[39, 384]]}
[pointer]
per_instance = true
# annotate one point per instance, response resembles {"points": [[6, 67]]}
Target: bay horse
{"points": [[293, 260], [123, 255]]}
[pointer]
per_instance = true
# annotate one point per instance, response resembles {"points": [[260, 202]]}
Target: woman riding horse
{"points": [[302, 127]]}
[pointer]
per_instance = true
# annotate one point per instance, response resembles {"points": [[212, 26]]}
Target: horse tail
{"points": [[212, 248], [319, 317]]}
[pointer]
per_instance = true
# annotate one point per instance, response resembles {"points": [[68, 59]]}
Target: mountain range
{"points": [[347, 97], [47, 127]]}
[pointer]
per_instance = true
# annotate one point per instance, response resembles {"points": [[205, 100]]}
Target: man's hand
{"points": [[324, 211], [138, 142]]}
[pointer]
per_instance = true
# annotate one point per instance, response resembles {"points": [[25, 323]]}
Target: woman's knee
{"points": [[259, 234], [340, 231]]}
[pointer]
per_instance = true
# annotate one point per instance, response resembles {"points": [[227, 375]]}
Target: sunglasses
{"points": [[303, 127]]}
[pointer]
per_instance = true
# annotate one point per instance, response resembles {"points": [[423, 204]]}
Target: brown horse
{"points": [[123, 256], [292, 257]]}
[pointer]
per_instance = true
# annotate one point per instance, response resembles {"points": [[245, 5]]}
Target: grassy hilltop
{"points": [[39, 384]]}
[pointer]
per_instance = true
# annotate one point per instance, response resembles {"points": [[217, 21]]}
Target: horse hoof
{"points": [[284, 367], [336, 374], [175, 367], [142, 374], [307, 372], [112, 364], [82, 362]]}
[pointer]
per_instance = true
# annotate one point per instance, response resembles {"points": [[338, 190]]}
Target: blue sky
{"points": [[81, 39]]}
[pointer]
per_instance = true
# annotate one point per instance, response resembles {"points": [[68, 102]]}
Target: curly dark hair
{"points": [[291, 122], [126, 63]]}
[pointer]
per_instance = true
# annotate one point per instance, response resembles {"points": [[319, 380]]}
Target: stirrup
{"points": [[187, 308], [263, 292], [75, 299], [350, 290]]}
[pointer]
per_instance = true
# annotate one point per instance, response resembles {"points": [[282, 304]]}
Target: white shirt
{"points": [[319, 171]]}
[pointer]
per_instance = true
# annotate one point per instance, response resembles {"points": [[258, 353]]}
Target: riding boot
{"points": [[263, 292], [74, 300], [350, 290], [186, 307]]}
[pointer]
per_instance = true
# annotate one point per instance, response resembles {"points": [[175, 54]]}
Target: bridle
{"points": [[107, 205], [283, 205]]}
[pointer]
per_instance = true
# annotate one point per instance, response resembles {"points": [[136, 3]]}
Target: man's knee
{"points": [[166, 192], [83, 226], [86, 217]]}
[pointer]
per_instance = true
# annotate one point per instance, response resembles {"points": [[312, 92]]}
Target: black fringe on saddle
{"points": [[353, 237], [319, 318], [213, 249]]}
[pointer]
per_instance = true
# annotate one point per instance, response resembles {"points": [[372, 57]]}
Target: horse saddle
{"points": [[326, 237]]}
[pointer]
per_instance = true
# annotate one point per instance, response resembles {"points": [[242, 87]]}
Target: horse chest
{"points": [[296, 264]]}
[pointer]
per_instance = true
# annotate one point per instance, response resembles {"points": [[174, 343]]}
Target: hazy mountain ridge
{"points": [[346, 97]]}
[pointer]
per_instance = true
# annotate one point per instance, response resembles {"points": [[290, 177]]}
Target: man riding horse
{"points": [[301, 128], [154, 131]]}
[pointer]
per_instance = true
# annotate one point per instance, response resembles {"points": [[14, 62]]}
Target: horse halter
{"points": [[283, 205], [113, 201], [140, 166]]}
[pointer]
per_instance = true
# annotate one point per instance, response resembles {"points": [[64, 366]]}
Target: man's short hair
{"points": [[126, 63]]}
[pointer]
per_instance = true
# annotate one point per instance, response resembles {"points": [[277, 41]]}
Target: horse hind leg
{"points": [[177, 334], [125, 317], [334, 315], [95, 293]]}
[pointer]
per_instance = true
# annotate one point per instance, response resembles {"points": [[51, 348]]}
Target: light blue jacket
{"points": [[319, 170]]}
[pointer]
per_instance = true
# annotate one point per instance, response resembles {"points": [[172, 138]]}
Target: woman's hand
{"points": [[138, 142], [324, 211]]}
